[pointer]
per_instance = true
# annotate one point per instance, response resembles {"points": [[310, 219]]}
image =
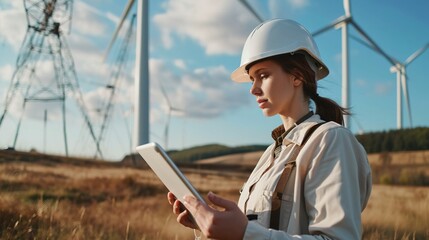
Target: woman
{"points": [[314, 181]]}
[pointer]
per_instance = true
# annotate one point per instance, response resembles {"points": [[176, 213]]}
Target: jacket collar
{"points": [[294, 135]]}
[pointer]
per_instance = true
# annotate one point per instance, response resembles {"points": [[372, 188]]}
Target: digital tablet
{"points": [[158, 160]]}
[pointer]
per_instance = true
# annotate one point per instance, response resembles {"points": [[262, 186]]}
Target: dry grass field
{"points": [[56, 198]]}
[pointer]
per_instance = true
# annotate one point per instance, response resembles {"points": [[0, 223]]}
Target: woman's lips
{"points": [[262, 103]]}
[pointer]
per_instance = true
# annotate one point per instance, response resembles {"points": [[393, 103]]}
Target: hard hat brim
{"points": [[240, 75]]}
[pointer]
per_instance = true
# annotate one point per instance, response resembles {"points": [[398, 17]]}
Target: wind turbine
{"points": [[141, 105], [402, 82], [170, 110], [343, 22]]}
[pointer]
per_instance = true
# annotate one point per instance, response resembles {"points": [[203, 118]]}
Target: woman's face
{"points": [[274, 89]]}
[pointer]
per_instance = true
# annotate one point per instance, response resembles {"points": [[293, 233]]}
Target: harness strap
{"points": [[276, 199]]}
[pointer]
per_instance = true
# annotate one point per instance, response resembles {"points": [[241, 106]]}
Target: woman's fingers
{"points": [[178, 207], [191, 203], [184, 218], [171, 198], [229, 223], [221, 202]]}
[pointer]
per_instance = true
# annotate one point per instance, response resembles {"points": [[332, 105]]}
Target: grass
{"points": [[62, 200], [397, 212]]}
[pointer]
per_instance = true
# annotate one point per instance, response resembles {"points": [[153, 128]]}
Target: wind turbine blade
{"points": [[364, 43], [347, 11], [413, 56], [371, 47], [404, 83], [164, 93], [118, 28], [331, 25], [372, 42], [247, 5]]}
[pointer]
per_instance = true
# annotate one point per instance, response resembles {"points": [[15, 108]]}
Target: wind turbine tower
{"points": [[45, 70], [141, 81]]}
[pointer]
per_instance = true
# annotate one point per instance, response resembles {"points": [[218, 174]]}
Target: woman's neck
{"points": [[289, 121]]}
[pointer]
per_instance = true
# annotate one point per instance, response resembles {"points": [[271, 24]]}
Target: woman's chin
{"points": [[268, 113]]}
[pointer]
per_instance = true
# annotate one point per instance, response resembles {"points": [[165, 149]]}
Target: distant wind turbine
{"points": [[170, 110], [402, 82]]}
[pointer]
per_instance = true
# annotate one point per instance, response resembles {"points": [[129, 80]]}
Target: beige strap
{"points": [[276, 199]]}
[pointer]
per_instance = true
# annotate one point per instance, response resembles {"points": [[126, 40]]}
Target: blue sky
{"points": [[194, 45]]}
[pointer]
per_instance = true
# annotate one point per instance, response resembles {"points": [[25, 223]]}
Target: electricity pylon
{"points": [[45, 69]]}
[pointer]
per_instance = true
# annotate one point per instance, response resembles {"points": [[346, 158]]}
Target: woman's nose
{"points": [[255, 89]]}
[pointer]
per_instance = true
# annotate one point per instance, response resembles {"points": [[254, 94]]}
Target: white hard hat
{"points": [[275, 37]]}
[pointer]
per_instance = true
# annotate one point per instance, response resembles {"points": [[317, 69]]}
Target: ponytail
{"points": [[329, 110]]}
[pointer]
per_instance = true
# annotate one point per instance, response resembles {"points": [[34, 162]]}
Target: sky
{"points": [[193, 48]]}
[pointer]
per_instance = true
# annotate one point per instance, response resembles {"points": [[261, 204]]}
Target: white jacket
{"points": [[332, 185]]}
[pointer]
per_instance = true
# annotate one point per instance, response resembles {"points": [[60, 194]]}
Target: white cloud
{"points": [[201, 93], [6, 72], [220, 27], [96, 102], [281, 8], [33, 109], [180, 63], [88, 20], [88, 58], [112, 17], [13, 25]]}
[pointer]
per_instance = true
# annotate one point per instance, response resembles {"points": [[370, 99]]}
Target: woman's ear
{"points": [[297, 81], [298, 77]]}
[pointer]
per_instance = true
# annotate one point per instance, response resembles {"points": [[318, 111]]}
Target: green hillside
{"points": [[208, 151]]}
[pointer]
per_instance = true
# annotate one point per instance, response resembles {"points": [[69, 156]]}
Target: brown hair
{"points": [[297, 65]]}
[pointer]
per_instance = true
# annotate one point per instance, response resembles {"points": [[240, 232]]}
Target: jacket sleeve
{"points": [[336, 189], [336, 186]]}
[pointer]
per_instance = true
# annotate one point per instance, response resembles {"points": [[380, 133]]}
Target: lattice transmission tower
{"points": [[45, 70]]}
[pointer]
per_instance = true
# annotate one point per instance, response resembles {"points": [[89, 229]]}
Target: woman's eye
{"points": [[263, 76]]}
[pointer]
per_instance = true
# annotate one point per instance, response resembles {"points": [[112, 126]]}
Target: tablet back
{"points": [[167, 171]]}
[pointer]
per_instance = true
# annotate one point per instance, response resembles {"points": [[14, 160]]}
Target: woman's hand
{"points": [[183, 216], [229, 223]]}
